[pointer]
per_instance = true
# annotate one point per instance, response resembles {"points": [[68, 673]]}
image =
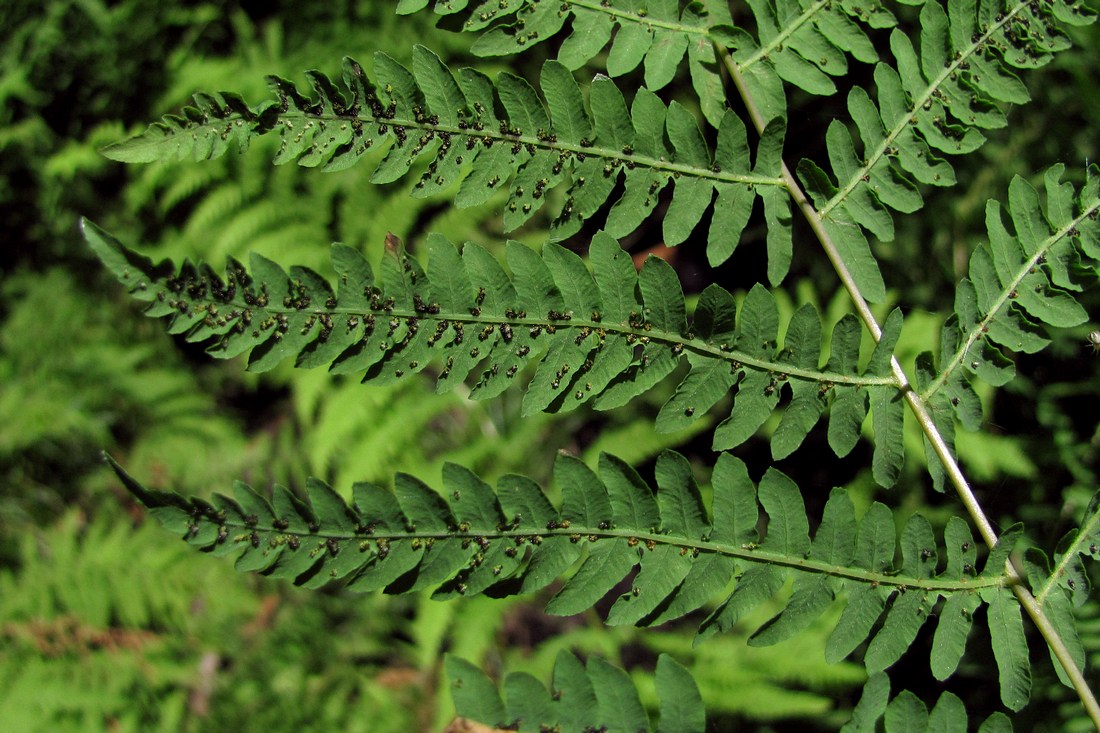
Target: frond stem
{"points": [[621, 15], [641, 335], [521, 142], [962, 487], [646, 540]]}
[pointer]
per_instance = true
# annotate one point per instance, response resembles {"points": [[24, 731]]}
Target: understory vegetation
{"points": [[623, 365]]}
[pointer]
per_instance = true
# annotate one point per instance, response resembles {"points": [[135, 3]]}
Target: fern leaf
{"points": [[1006, 630], [607, 334], [472, 539], [937, 100], [1063, 585], [804, 43], [1019, 282], [907, 712], [474, 694], [596, 696], [428, 112]]}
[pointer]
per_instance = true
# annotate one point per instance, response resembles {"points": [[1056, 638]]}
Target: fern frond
{"points": [[803, 42], [934, 101], [1064, 586], [605, 335], [471, 539], [428, 111], [654, 33], [907, 712], [1023, 279], [583, 696]]}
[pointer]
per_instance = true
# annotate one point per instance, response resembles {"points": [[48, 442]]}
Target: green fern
{"points": [[605, 336], [958, 77], [513, 540], [427, 112], [606, 333], [802, 43], [596, 696]]}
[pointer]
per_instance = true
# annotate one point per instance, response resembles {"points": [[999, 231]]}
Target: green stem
{"points": [[917, 405]]}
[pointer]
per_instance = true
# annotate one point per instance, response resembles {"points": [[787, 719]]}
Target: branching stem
{"points": [[917, 405]]}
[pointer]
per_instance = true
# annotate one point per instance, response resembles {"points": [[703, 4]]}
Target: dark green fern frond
{"points": [[934, 101], [605, 335], [588, 696], [657, 34], [1023, 279], [471, 539], [532, 148], [803, 42], [1063, 586], [906, 712]]}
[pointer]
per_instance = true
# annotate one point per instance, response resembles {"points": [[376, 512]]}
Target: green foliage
{"points": [[105, 630], [956, 77], [607, 335], [720, 113], [907, 712], [596, 696], [469, 539], [430, 112]]}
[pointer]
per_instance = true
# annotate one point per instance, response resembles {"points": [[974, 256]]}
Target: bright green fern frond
{"points": [[471, 539], [935, 101], [429, 111], [607, 335], [1023, 279], [583, 696]]}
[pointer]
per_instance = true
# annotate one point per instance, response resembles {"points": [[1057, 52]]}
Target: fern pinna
{"points": [[469, 539], [604, 333], [429, 113], [607, 335]]}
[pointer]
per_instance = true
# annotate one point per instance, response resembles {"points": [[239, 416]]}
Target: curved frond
{"points": [[471, 539], [934, 101], [803, 42], [583, 696], [1026, 277], [484, 137], [604, 335]]}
